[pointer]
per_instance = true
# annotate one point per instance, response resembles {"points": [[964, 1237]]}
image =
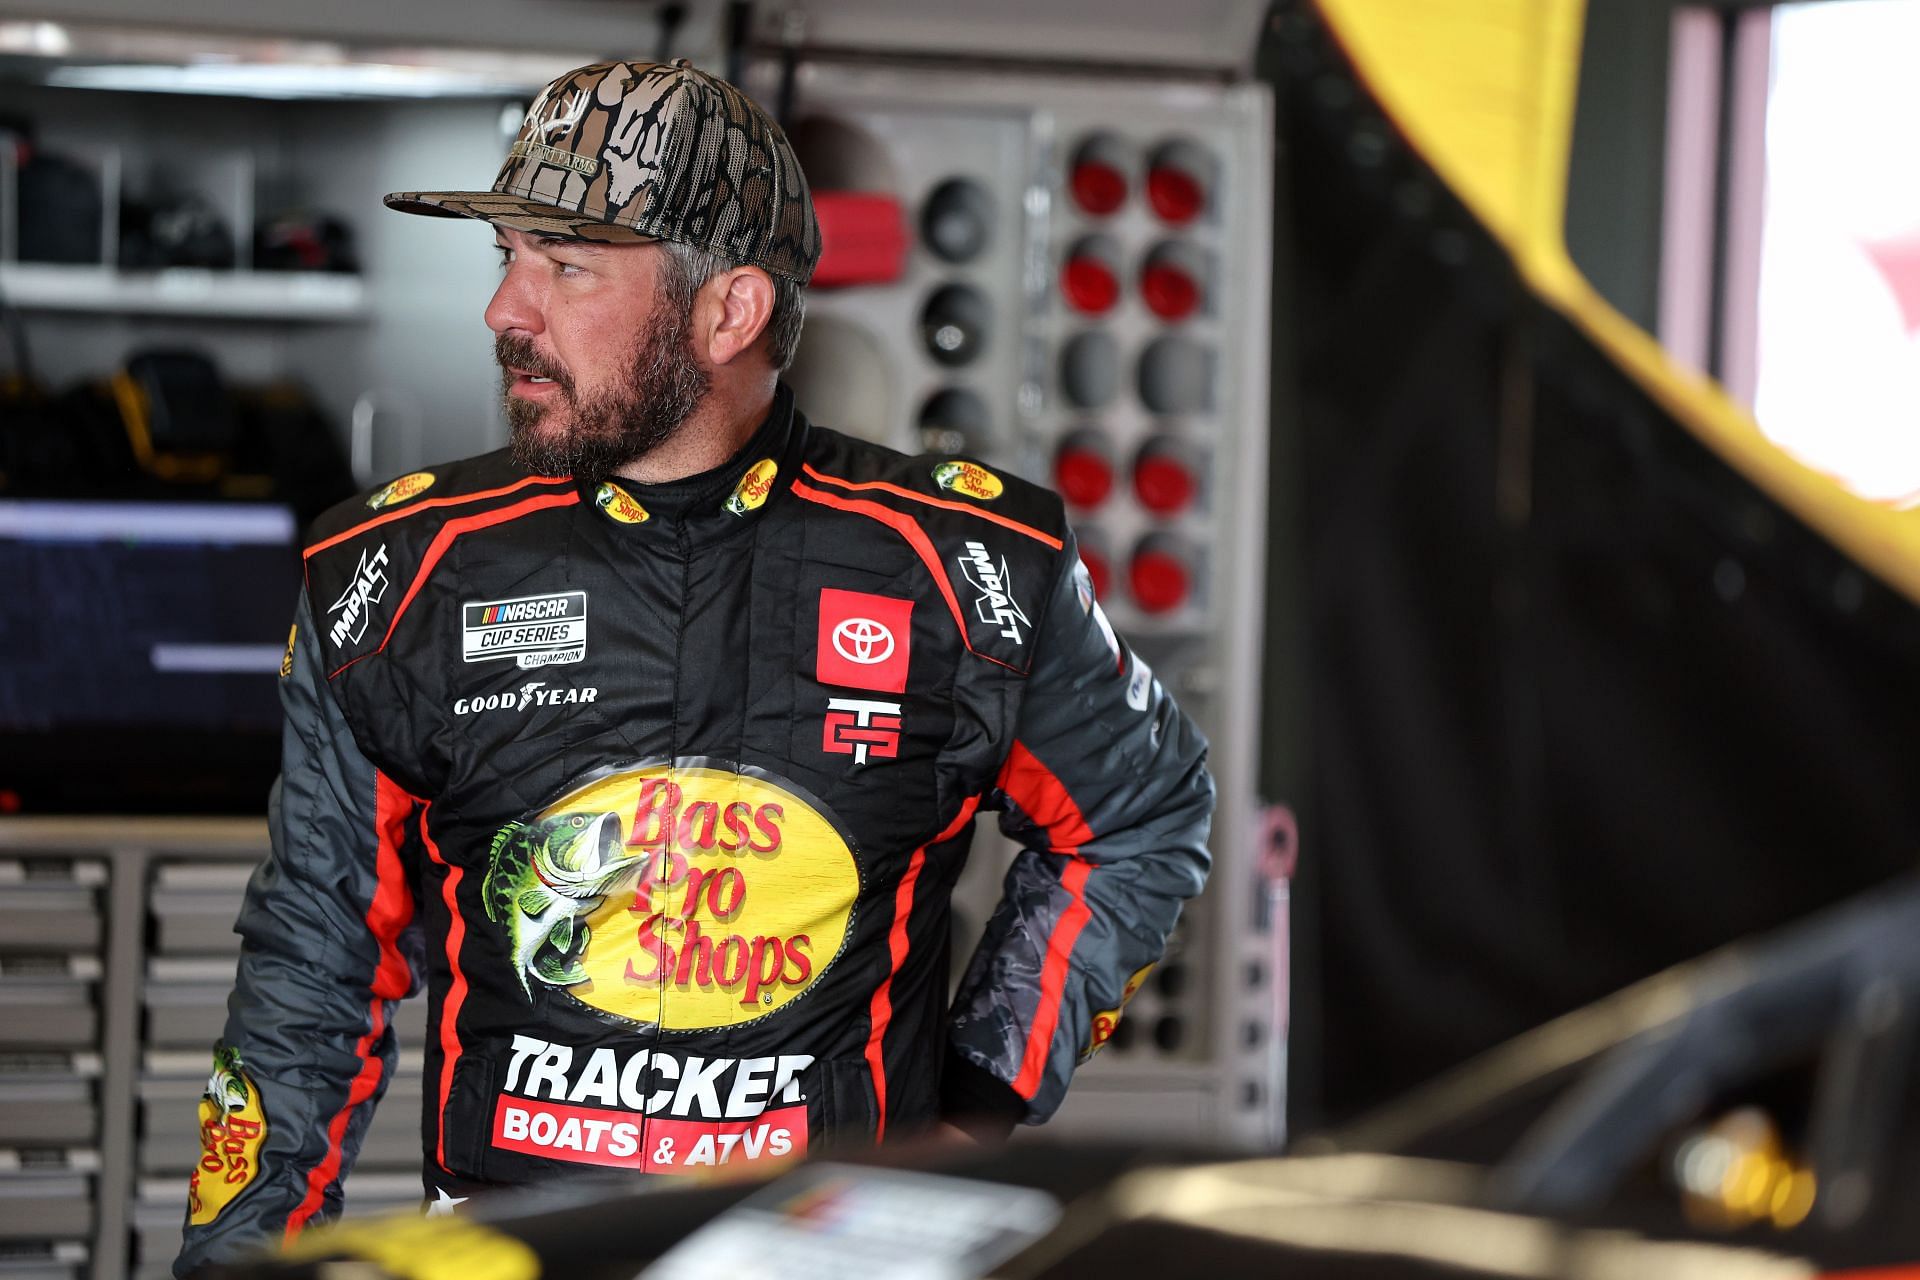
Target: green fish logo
{"points": [[542, 878], [227, 1087]]}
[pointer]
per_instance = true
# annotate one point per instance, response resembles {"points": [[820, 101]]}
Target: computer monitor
{"points": [[140, 645]]}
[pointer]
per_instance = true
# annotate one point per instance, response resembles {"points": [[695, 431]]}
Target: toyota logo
{"points": [[862, 640]]}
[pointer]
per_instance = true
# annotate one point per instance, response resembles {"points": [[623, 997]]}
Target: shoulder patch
{"points": [[364, 555], [993, 542], [968, 479], [395, 492]]}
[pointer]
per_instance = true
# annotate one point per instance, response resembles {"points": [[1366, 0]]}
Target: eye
{"points": [[506, 256], [578, 821]]}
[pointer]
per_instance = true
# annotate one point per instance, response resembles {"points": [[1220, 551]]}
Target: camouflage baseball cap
{"points": [[624, 152]]}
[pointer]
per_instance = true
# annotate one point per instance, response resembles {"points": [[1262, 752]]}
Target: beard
{"points": [[599, 434]]}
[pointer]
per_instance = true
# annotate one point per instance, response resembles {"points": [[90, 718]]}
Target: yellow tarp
{"points": [[1484, 89]]}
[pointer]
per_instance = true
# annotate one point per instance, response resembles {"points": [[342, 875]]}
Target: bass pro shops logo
{"points": [[351, 611], [689, 896], [395, 492], [968, 478], [233, 1127], [751, 493]]}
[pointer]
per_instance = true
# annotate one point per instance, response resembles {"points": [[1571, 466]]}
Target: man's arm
{"points": [[327, 947], [1106, 786]]}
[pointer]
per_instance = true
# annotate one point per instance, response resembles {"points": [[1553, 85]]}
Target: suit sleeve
{"points": [[328, 945], [1106, 789]]}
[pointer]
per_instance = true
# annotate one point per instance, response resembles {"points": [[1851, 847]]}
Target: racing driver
{"points": [[651, 745]]}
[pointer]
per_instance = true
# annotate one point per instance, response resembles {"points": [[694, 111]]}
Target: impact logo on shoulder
{"points": [[534, 631], [995, 605], [347, 616]]}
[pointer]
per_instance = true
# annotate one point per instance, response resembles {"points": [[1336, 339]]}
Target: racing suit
{"points": [[660, 792]]}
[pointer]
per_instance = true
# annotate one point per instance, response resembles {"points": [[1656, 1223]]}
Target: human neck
{"points": [[723, 423]]}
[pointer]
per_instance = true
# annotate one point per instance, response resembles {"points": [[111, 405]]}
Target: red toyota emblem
{"points": [[862, 640], [865, 640]]}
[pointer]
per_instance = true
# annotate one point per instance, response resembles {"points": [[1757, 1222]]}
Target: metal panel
{"points": [[1192, 387]]}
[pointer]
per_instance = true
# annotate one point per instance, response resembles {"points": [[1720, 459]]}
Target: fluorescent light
{"points": [[286, 80], [39, 39], [216, 659], [173, 522]]}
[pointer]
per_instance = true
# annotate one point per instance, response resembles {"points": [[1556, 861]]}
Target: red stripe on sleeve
{"points": [[992, 516], [428, 505], [909, 528], [1045, 800], [881, 1011], [390, 912], [444, 539], [456, 993]]}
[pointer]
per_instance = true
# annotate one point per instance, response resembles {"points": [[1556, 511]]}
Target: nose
{"points": [[517, 304]]}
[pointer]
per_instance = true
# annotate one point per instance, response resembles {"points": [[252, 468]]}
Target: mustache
{"points": [[514, 352]]}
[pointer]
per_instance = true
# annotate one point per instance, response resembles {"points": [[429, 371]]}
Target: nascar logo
{"points": [[535, 631]]}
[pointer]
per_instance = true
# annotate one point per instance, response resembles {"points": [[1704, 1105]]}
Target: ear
{"points": [[741, 304]]}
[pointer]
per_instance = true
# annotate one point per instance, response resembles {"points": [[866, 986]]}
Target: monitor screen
{"points": [[139, 647]]}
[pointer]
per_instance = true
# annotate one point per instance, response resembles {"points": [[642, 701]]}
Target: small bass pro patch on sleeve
{"points": [[1105, 1021], [398, 491], [233, 1128], [968, 479]]}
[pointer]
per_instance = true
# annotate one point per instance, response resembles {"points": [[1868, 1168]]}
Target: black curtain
{"points": [[1580, 700]]}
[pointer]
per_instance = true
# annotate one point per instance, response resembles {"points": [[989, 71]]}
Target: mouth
{"points": [[530, 385]]}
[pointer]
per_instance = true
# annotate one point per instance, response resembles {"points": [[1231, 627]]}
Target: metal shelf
{"points": [[298, 296]]}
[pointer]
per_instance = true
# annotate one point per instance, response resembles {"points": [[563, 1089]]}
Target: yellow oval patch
{"points": [[751, 493], [619, 504], [722, 897], [1107, 1020], [968, 479], [398, 491], [233, 1128]]}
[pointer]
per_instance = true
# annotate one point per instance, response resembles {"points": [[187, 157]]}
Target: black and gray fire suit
{"points": [[660, 792]]}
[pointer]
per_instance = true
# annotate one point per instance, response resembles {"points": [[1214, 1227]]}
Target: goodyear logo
{"points": [[619, 504], [398, 491], [968, 479], [233, 1127], [692, 895], [751, 493], [286, 659]]}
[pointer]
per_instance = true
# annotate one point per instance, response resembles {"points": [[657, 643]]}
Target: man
{"points": [[652, 745]]}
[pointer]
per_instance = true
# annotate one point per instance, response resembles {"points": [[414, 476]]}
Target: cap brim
{"points": [[517, 213]]}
